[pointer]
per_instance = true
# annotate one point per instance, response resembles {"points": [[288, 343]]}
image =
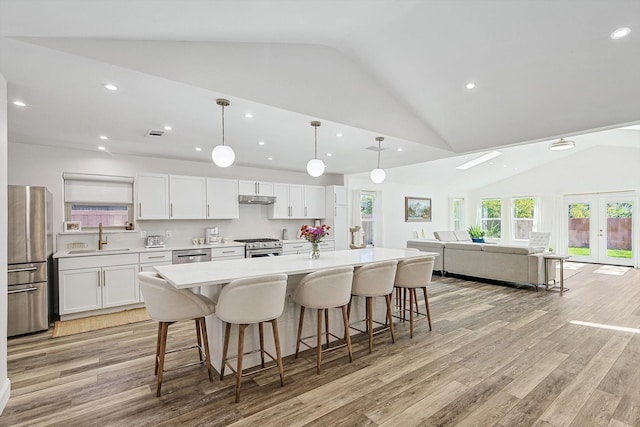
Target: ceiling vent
{"points": [[154, 132]]}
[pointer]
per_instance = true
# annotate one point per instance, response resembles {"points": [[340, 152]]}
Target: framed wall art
{"points": [[417, 209], [72, 226]]}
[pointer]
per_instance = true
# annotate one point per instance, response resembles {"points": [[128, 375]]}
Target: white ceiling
{"points": [[364, 68]]}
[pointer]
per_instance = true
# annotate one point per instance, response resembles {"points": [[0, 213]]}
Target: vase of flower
{"points": [[315, 251], [314, 235]]}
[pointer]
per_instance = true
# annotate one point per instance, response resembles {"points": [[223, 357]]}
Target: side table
{"points": [[554, 257]]}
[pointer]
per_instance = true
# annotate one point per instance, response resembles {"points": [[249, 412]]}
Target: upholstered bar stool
{"points": [[248, 301], [413, 274], [370, 281], [166, 305], [323, 290]]}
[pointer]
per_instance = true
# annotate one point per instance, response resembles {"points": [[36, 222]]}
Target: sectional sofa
{"points": [[458, 255]]}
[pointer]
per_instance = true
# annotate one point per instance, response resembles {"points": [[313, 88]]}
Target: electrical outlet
{"points": [[143, 234], [168, 233]]}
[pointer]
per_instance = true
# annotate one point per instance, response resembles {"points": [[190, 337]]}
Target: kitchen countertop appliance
{"points": [[212, 237], [31, 297], [254, 248], [154, 242]]}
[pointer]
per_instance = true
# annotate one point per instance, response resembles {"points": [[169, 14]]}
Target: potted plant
{"points": [[476, 233]]}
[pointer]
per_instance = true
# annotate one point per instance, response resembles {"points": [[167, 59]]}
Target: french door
{"points": [[600, 228]]}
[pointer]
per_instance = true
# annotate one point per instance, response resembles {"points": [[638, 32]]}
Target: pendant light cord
{"points": [[315, 139], [223, 125], [379, 154]]}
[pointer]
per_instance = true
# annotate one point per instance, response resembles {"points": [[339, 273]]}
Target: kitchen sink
{"points": [[90, 251]]}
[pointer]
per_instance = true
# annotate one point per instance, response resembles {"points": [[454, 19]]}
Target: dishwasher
{"points": [[189, 256]]}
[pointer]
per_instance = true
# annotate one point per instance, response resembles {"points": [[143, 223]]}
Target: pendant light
{"points": [[378, 175], [315, 166], [223, 155]]}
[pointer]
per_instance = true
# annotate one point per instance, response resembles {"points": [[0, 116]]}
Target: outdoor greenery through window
{"points": [[367, 203], [523, 212], [491, 218], [619, 230], [457, 214], [579, 233]]}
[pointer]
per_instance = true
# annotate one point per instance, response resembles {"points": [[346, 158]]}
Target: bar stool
{"points": [[374, 280], [323, 290], [414, 273], [168, 305], [248, 301]]}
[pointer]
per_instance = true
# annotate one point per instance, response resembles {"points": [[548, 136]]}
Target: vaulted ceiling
{"points": [[396, 69]]}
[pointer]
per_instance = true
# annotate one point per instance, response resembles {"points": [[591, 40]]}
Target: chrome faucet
{"points": [[101, 242]]}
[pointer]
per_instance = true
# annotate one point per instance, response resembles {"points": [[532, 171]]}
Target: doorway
{"points": [[600, 228]]}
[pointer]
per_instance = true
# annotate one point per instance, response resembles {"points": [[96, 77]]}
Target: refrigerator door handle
{"points": [[17, 270], [22, 290]]}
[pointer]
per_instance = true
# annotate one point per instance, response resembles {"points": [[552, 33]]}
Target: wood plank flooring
{"points": [[497, 356]]}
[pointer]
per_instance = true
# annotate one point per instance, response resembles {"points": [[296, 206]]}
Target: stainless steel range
{"points": [[254, 248]]}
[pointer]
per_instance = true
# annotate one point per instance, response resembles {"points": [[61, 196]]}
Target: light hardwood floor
{"points": [[497, 356]]}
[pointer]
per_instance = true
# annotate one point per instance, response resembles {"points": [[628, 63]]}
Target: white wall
{"points": [[5, 384], [39, 165]]}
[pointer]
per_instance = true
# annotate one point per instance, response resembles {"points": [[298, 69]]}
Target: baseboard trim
{"points": [[5, 392]]}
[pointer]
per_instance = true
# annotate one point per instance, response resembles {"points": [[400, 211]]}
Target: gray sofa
{"points": [[483, 260]]}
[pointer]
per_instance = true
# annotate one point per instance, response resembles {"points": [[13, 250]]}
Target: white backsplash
{"points": [[253, 223]]}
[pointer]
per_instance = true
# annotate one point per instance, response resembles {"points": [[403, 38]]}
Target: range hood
{"points": [[256, 200]]}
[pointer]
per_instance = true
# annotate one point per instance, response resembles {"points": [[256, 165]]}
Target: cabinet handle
{"points": [[228, 252], [154, 257], [98, 278], [305, 211], [290, 211], [104, 278], [140, 210], [334, 198], [208, 209], [171, 209], [335, 211], [256, 188]]}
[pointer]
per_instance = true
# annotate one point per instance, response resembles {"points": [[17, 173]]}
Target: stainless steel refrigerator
{"points": [[30, 246]]}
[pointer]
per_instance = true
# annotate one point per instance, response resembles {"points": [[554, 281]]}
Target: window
{"points": [[491, 218], [457, 208], [523, 216], [367, 210], [95, 199]]}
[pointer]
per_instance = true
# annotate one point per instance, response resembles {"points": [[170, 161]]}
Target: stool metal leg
{"points": [[197, 322], [389, 316], [261, 330], [411, 296], [370, 322], [276, 338], [326, 325]]}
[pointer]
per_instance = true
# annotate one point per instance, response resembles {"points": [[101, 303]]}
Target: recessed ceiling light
{"points": [[620, 33], [338, 134], [471, 85], [478, 160], [19, 103], [329, 154], [168, 128], [101, 148], [249, 116], [269, 158], [260, 142], [111, 87], [103, 137], [399, 149], [198, 149]]}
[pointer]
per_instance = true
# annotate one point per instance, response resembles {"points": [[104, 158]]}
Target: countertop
{"points": [[210, 273], [137, 250]]}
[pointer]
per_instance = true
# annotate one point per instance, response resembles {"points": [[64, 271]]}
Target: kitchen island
{"points": [[212, 276]]}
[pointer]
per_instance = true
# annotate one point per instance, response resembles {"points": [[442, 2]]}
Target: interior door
{"points": [[600, 228]]}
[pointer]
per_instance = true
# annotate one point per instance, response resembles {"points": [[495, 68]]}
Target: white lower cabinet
{"points": [[97, 282], [295, 248], [226, 253], [149, 260]]}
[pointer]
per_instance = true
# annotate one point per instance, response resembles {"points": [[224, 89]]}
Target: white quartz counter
{"points": [[220, 272], [142, 249]]}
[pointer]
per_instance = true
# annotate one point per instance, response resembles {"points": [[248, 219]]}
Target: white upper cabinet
{"points": [[255, 188], [289, 201], [314, 201], [339, 194], [152, 191], [337, 215], [222, 198], [187, 196]]}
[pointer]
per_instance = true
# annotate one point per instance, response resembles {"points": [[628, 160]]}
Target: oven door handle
{"points": [[18, 270]]}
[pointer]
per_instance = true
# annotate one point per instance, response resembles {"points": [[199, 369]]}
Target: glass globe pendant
{"points": [[315, 166], [378, 175], [223, 155]]}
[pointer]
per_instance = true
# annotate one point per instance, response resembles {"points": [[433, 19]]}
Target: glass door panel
{"points": [[615, 232], [580, 230]]}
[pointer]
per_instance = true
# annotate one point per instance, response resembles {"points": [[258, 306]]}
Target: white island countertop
{"points": [[220, 272]]}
